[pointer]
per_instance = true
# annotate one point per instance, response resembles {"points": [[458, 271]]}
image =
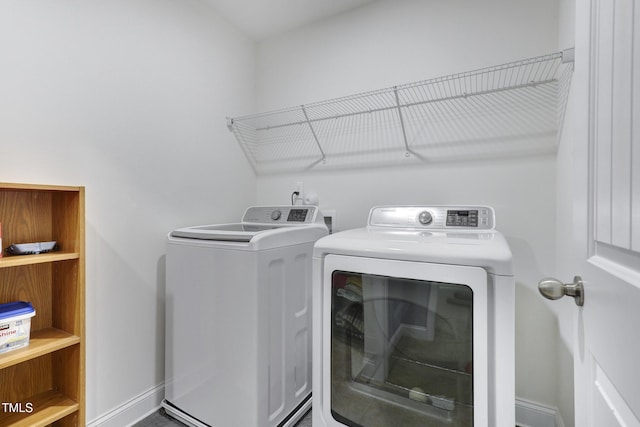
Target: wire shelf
{"points": [[510, 109]]}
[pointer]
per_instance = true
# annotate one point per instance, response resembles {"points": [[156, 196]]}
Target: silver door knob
{"points": [[554, 289]]}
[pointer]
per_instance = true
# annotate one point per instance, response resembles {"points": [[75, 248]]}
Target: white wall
{"points": [[394, 42], [129, 99]]}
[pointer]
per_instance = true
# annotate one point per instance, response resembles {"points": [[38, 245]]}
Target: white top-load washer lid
{"points": [[457, 235], [260, 223]]}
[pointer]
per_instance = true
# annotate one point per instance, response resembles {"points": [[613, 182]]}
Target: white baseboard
{"points": [[133, 410], [532, 414]]}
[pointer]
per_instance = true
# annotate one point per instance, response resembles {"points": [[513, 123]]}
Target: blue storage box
{"points": [[15, 325]]}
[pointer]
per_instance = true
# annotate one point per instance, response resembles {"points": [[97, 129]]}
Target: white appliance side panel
{"points": [[211, 333], [300, 299], [502, 351], [319, 334], [473, 277], [284, 332], [276, 324]]}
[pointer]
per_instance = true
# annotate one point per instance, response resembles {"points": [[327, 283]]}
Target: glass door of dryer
{"points": [[408, 343]]}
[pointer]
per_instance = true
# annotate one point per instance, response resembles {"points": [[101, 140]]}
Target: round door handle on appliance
{"points": [[425, 218], [554, 289], [276, 215]]}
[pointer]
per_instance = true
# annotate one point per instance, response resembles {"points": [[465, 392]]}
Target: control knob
{"points": [[425, 218], [275, 215]]}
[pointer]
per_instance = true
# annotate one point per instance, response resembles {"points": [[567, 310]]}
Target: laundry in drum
{"points": [[32, 248], [351, 316], [352, 289]]}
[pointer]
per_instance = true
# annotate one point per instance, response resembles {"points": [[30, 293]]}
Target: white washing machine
{"points": [[238, 319], [414, 321]]}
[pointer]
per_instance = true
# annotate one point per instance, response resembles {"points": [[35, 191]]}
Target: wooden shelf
{"points": [[19, 260], [44, 383], [48, 407], [37, 187], [42, 342]]}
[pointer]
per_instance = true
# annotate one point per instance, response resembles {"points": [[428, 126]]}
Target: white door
{"points": [[606, 212]]}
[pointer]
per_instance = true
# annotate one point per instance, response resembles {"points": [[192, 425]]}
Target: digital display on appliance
{"points": [[297, 215], [462, 218]]}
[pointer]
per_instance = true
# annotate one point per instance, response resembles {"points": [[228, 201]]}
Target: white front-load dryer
{"points": [[414, 321], [238, 319]]}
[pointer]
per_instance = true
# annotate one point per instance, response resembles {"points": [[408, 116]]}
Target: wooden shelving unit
{"points": [[47, 378]]}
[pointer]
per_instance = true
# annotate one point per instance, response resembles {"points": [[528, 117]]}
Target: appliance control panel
{"points": [[291, 215], [433, 217]]}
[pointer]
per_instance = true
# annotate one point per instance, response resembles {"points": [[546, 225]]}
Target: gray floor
{"points": [[157, 420]]}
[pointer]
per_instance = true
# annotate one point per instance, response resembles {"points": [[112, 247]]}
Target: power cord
{"points": [[295, 193]]}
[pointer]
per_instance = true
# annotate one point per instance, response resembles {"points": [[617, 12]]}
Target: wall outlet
{"points": [[299, 188]]}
